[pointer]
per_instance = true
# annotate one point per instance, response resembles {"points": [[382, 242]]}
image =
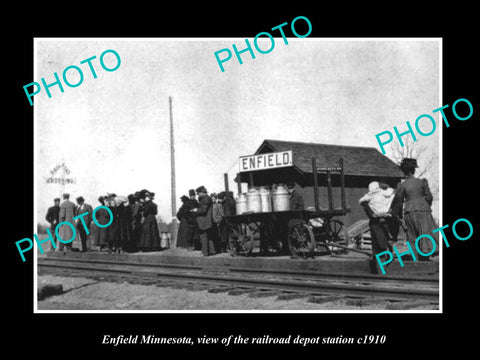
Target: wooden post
{"points": [[239, 184], [329, 188], [250, 178], [342, 184], [173, 236], [225, 178], [315, 183]]}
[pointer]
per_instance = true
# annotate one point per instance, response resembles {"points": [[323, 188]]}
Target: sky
{"points": [[112, 132]]}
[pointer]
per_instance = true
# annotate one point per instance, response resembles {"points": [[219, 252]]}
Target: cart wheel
{"points": [[301, 241], [241, 240], [333, 236]]}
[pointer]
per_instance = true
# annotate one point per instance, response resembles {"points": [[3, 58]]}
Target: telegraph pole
{"points": [[172, 177]]}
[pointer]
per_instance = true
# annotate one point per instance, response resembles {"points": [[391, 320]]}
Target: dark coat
{"points": [[204, 213], [53, 215], [416, 194], [229, 207], [102, 235], [188, 224], [150, 236]]}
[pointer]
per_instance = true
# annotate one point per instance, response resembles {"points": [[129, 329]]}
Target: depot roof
{"points": [[358, 160]]}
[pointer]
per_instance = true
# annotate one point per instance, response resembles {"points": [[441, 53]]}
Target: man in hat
{"points": [[194, 244], [52, 217], [205, 221], [296, 203], [67, 213], [82, 208]]}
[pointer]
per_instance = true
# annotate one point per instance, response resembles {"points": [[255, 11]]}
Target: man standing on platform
{"points": [[67, 213], [194, 244], [82, 208], [52, 216], [205, 222]]}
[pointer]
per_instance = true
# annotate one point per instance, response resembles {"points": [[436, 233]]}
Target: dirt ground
{"points": [[87, 294]]}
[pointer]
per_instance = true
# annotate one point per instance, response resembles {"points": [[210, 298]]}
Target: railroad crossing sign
{"points": [[58, 175]]}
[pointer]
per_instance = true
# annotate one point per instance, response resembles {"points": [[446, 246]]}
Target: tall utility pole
{"points": [[172, 177]]}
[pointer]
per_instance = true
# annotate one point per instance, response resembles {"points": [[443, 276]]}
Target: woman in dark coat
{"points": [[114, 228], [135, 223], [150, 236], [103, 217], [417, 211], [187, 226], [125, 226]]}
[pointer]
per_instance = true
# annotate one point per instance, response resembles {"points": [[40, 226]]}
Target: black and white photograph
{"points": [[296, 180], [217, 179]]}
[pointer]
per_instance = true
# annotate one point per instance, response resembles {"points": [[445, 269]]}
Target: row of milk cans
{"points": [[258, 200]]}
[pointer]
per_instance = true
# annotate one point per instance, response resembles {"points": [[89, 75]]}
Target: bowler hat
{"points": [[56, 199], [80, 199]]}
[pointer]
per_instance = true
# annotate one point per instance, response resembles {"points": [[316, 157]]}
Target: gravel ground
{"points": [[87, 294]]}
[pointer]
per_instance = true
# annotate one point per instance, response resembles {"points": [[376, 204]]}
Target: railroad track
{"points": [[285, 284]]}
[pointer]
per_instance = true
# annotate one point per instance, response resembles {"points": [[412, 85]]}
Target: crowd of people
{"points": [[202, 221], [134, 226], [202, 224]]}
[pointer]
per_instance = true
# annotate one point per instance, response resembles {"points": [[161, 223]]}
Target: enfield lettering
{"points": [[266, 161]]}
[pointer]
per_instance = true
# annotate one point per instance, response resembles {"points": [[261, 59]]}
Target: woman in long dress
{"points": [[150, 236], [417, 211], [103, 217]]}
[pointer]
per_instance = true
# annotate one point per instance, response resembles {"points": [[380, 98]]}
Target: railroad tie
{"points": [[292, 296], [241, 291], [324, 299], [364, 301], [264, 293], [405, 305], [221, 289]]}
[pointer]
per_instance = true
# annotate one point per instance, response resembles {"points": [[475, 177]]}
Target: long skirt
{"points": [[419, 223], [182, 235], [150, 236]]}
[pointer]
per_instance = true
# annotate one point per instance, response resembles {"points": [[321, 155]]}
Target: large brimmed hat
{"points": [[184, 198], [408, 163]]}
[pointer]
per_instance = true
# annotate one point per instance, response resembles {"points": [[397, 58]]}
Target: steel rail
{"points": [[354, 288]]}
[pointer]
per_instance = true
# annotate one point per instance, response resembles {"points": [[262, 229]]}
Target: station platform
{"points": [[347, 264]]}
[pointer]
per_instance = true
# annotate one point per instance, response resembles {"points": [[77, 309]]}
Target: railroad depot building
{"points": [[287, 161]]}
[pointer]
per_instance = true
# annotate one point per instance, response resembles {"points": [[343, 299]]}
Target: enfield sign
{"points": [[266, 161]]}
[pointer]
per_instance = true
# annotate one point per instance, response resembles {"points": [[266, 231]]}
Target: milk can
{"points": [[254, 203], [165, 240], [280, 198], [265, 199], [241, 204]]}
